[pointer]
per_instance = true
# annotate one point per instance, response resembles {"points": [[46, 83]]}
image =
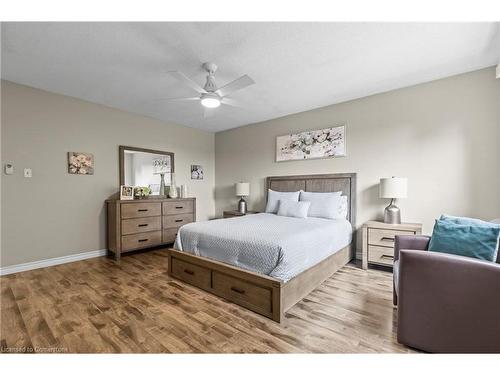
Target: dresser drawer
{"points": [[385, 237], [242, 291], [191, 273], [169, 235], [176, 221], [135, 210], [144, 224], [381, 255], [178, 207], [138, 241]]}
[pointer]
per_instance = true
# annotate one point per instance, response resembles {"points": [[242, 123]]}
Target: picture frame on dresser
{"points": [[126, 193]]}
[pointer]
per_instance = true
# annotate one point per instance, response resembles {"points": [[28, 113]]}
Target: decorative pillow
{"points": [[474, 241], [324, 205], [293, 209], [273, 198], [468, 221]]}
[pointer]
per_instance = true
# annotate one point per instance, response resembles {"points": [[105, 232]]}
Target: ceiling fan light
{"points": [[210, 102]]}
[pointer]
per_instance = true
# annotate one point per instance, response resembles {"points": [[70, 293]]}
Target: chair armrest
{"points": [[413, 242], [448, 303]]}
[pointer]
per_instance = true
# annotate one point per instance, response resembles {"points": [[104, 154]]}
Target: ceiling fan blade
{"points": [[235, 85], [231, 102], [193, 98], [186, 80], [181, 99], [209, 112]]}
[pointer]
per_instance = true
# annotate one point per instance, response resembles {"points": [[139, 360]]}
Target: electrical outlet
{"points": [[28, 173]]}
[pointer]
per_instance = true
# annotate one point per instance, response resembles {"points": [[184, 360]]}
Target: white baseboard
{"points": [[51, 262]]}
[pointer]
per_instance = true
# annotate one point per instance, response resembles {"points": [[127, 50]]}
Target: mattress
{"points": [[277, 246]]}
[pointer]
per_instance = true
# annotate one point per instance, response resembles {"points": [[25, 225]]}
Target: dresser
{"points": [[378, 241], [144, 223]]}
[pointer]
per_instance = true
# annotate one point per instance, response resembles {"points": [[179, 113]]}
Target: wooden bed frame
{"points": [[260, 293]]}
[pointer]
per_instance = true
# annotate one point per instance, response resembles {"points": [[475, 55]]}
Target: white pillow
{"points": [[293, 209], [343, 207], [325, 205], [273, 198]]}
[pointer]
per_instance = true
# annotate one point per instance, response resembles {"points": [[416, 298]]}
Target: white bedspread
{"points": [[278, 246]]}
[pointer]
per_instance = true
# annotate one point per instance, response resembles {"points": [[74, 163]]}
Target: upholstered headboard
{"points": [[321, 183]]}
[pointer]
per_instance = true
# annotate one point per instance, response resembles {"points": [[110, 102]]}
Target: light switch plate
{"points": [[9, 169], [28, 173]]}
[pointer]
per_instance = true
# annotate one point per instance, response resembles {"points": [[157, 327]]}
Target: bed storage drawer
{"points": [[176, 221], [141, 240], [133, 210], [178, 207], [145, 224], [244, 292], [191, 273]]}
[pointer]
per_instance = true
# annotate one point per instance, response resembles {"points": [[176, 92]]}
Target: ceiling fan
{"points": [[212, 96]]}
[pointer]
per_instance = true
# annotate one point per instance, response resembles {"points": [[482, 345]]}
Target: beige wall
{"points": [[442, 135], [54, 213]]}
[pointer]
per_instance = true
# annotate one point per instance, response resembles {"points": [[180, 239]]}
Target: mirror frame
{"points": [[122, 150]]}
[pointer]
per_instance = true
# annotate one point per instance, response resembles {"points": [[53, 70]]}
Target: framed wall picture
{"points": [[80, 163], [126, 193], [312, 144], [196, 172]]}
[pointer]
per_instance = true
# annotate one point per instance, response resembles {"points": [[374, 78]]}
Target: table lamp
{"points": [[242, 190], [394, 187]]}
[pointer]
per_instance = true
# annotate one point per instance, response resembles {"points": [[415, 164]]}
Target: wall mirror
{"points": [[145, 167]]}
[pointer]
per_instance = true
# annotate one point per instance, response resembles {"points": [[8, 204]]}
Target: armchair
{"points": [[446, 303]]}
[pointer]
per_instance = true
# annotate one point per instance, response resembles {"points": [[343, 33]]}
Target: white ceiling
{"points": [[296, 66]]}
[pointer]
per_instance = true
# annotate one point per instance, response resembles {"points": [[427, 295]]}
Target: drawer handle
{"points": [[143, 225], [179, 207], [387, 256], [237, 290], [389, 239], [189, 272], [143, 240], [142, 210], [179, 221]]}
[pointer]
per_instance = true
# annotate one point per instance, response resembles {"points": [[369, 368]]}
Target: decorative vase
{"points": [[184, 191], [162, 184], [172, 193]]}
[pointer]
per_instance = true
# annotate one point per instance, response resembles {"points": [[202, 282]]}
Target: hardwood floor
{"points": [[98, 305]]}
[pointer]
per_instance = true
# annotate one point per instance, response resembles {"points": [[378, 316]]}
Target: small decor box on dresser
{"points": [[143, 223], [378, 241]]}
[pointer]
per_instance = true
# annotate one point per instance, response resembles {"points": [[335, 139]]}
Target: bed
{"points": [[264, 262]]}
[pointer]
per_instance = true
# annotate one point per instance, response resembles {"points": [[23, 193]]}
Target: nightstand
{"points": [[378, 241], [235, 213]]}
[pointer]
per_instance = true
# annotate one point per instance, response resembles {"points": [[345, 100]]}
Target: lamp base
{"points": [[242, 206], [392, 214]]}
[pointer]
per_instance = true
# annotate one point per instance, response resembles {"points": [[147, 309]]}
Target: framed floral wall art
{"points": [[312, 144], [80, 163], [196, 172]]}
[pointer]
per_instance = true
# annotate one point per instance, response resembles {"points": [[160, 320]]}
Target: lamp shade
{"points": [[242, 189], [394, 187]]}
